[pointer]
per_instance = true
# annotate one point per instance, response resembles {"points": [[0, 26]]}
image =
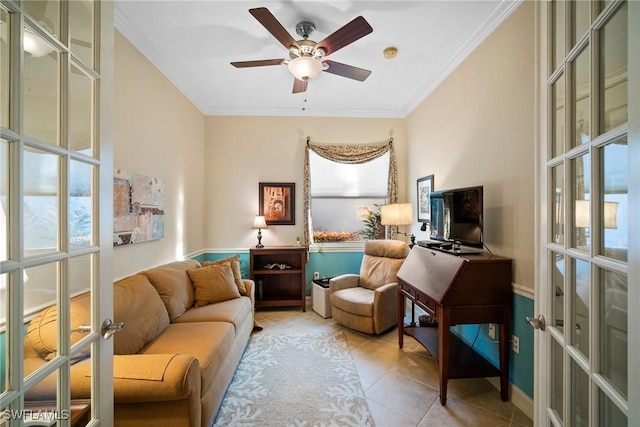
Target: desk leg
{"points": [[400, 317], [444, 322], [505, 348], [413, 314]]}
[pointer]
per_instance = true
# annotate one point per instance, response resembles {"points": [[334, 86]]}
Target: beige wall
{"points": [[159, 133], [477, 128], [244, 151]]}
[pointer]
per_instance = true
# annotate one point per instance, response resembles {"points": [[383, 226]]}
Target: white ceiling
{"points": [[193, 43]]}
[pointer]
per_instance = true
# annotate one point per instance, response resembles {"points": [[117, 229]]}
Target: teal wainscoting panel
{"points": [[244, 259], [521, 364], [201, 257], [332, 264], [3, 356], [328, 264]]}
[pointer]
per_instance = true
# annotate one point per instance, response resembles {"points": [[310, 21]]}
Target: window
{"points": [[345, 198]]}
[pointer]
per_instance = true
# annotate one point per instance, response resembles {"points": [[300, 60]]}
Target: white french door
{"points": [[56, 91], [589, 283]]}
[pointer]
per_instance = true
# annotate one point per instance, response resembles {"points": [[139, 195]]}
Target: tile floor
{"points": [[401, 385]]}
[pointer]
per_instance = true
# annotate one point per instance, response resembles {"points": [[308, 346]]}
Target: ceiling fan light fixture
{"points": [[34, 44], [305, 68]]}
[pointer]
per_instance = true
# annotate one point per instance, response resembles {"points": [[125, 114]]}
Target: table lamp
{"points": [[398, 214], [259, 222]]}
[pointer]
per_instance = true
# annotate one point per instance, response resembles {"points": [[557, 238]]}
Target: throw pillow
{"points": [[237, 271], [42, 332], [213, 283], [172, 283]]}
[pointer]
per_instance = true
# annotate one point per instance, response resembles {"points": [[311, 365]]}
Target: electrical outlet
{"points": [[515, 344], [316, 275], [492, 331]]}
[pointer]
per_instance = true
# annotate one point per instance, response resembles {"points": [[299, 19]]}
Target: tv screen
{"points": [[456, 216]]}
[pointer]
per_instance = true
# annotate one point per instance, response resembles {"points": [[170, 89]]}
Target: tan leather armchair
{"points": [[367, 302]]}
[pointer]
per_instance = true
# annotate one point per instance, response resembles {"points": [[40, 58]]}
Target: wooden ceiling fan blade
{"points": [[348, 71], [257, 63], [299, 85], [351, 32], [274, 26]]}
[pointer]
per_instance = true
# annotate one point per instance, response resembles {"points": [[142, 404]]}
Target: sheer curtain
{"points": [[350, 154]]}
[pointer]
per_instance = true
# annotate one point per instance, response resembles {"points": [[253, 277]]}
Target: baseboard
{"points": [[519, 398]]}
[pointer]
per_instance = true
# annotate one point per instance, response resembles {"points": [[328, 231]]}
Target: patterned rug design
{"points": [[295, 381]]}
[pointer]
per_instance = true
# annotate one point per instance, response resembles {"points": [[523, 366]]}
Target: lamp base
{"points": [[259, 245], [411, 236]]}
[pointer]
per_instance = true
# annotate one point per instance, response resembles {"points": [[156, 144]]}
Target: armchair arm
{"points": [[343, 282], [385, 307]]}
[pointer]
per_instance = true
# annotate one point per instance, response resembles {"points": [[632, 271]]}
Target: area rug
{"points": [[297, 381]]}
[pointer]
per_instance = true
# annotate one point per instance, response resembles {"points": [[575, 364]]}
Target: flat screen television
{"points": [[456, 216]]}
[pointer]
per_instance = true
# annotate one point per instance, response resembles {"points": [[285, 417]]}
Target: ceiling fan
{"points": [[306, 57]]}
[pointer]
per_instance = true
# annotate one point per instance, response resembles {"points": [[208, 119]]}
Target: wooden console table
{"points": [[465, 289], [276, 287]]}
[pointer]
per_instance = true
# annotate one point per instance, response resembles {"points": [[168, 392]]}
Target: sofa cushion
{"points": [[237, 270], [213, 283], [138, 305], [174, 286], [234, 311], [208, 342], [42, 332], [354, 300]]}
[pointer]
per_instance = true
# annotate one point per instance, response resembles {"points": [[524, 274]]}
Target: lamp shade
{"points": [[259, 222], [582, 213], [305, 67], [610, 214], [396, 214]]}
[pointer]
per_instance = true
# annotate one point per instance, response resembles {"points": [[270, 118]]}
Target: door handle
{"points": [[109, 328], [536, 323]]}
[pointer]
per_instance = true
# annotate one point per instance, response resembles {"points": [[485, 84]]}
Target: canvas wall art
{"points": [[138, 208]]}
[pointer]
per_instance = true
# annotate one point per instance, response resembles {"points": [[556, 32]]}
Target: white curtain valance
{"points": [[349, 154]]}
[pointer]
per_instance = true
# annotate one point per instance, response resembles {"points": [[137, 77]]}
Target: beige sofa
{"points": [[177, 353]]}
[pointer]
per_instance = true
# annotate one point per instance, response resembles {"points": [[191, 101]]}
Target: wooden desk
{"points": [[466, 289]]}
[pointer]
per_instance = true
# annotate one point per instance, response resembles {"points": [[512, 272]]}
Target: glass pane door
{"points": [[52, 260], [587, 237]]}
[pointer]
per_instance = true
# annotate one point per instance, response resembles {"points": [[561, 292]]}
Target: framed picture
{"points": [[425, 187], [277, 202]]}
